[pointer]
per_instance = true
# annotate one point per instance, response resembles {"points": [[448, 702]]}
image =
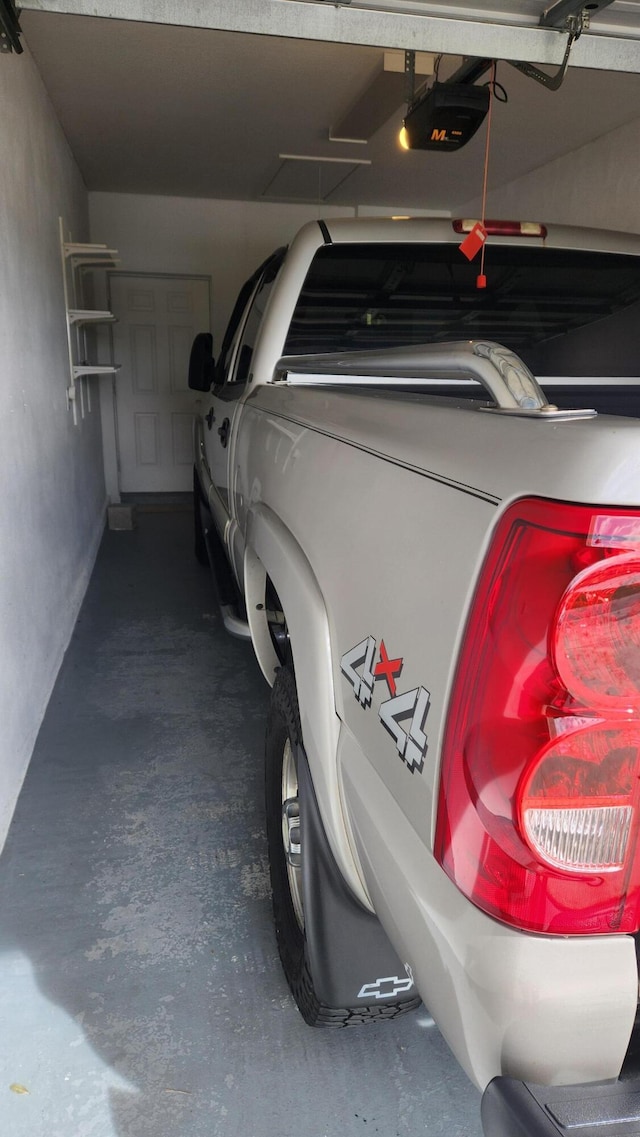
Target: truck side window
{"points": [[244, 355], [235, 361]]}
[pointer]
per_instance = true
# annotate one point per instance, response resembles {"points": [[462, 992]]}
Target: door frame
{"points": [[110, 438]]}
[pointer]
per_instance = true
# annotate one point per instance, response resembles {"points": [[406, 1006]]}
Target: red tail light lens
{"points": [[540, 788], [597, 635]]}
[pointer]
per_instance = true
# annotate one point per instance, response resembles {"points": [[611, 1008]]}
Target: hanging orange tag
{"points": [[472, 243]]}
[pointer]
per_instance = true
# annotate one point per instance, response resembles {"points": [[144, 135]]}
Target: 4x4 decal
{"points": [[362, 654], [404, 716]]}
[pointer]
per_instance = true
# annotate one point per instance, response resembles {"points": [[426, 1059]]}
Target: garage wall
{"points": [[596, 185], [226, 240], [52, 499]]}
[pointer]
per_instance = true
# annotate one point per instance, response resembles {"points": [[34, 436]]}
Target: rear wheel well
{"points": [[277, 624], [269, 631]]}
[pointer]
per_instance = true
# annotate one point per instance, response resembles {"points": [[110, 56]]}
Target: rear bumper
{"points": [[511, 1108]]}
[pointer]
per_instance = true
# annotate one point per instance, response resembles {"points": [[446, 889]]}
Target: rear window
{"points": [[538, 301]]}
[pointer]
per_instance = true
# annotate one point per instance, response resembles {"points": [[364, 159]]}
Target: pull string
{"points": [[492, 86]]}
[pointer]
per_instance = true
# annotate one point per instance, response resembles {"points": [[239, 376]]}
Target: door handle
{"points": [[210, 418], [223, 431]]}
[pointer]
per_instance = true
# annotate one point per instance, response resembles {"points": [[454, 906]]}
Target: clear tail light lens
{"points": [[576, 801], [539, 804], [590, 839]]}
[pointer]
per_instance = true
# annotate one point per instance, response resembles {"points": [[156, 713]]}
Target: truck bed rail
{"points": [[506, 378]]}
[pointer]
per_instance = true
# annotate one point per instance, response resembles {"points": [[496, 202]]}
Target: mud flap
{"points": [[350, 958]]}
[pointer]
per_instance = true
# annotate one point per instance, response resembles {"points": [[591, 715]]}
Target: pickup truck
{"points": [[436, 556]]}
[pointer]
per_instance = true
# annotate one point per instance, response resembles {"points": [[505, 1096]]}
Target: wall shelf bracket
{"points": [[78, 256]]}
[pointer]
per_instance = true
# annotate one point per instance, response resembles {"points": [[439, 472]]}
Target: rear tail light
{"points": [[539, 807]]}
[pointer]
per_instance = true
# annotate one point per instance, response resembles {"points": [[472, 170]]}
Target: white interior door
{"points": [[158, 317]]}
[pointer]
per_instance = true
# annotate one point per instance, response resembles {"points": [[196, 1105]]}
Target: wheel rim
{"points": [[291, 831]]}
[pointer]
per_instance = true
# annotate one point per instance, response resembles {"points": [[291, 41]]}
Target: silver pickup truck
{"points": [[437, 559]]}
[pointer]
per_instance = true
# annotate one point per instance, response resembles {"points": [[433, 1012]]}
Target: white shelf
{"points": [[80, 369], [99, 252], [94, 262], [82, 255], [76, 255], [86, 316]]}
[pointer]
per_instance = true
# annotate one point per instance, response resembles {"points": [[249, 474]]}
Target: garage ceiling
{"points": [[201, 111]]}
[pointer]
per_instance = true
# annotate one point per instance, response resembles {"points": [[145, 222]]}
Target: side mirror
{"points": [[201, 362]]}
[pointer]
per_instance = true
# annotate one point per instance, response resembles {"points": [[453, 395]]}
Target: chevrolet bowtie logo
{"points": [[385, 988]]}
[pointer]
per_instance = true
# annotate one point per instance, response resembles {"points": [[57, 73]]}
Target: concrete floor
{"points": [[140, 989]]}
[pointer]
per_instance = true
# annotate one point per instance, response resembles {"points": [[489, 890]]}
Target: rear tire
{"points": [[283, 744]]}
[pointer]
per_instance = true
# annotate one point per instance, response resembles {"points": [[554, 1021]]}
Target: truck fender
{"points": [[272, 551]]}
